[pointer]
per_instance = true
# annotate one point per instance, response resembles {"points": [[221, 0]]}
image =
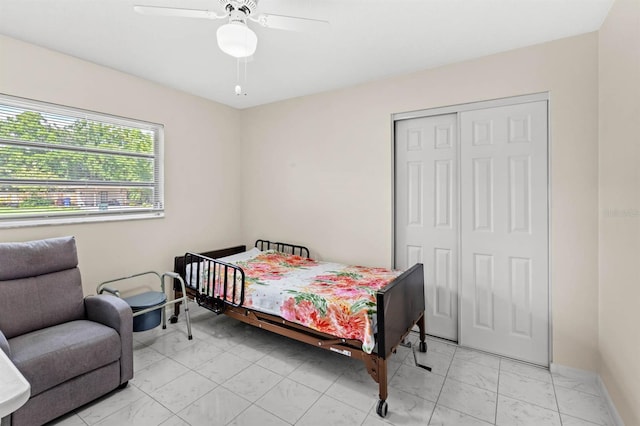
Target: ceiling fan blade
{"points": [[290, 23], [173, 11]]}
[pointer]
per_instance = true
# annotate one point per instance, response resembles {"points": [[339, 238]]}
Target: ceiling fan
{"points": [[235, 38]]}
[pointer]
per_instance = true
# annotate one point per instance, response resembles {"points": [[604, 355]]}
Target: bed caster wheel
{"points": [[423, 346], [382, 408], [173, 319]]}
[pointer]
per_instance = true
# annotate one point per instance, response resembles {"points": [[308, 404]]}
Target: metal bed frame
{"points": [[400, 307]]}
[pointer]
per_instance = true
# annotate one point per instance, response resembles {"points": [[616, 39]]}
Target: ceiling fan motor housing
{"points": [[245, 6]]}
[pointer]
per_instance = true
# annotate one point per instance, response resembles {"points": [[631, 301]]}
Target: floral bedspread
{"points": [[328, 297]]}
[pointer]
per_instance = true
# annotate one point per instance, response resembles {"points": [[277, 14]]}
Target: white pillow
{"points": [[245, 255], [195, 267]]}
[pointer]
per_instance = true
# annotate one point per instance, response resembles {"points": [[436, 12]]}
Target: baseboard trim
{"points": [[573, 372], [589, 375], [617, 420]]}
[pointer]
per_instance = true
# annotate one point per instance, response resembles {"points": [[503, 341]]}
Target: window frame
{"points": [[156, 210]]}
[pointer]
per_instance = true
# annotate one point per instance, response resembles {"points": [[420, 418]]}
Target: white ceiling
{"points": [[366, 39]]}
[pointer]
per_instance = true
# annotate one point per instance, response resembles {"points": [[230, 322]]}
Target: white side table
{"points": [[14, 388]]}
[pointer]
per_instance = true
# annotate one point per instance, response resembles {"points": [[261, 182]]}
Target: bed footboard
{"points": [[400, 308]]}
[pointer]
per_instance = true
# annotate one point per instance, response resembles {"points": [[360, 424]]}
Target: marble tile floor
{"points": [[235, 374]]}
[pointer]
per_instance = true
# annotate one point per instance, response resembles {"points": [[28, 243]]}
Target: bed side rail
{"points": [[282, 247], [400, 306], [179, 264], [216, 283]]}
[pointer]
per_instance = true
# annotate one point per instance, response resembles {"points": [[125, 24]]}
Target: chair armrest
{"points": [[115, 313], [4, 345], [110, 311]]}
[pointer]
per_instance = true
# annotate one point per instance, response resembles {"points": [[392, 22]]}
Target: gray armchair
{"points": [[71, 349]]}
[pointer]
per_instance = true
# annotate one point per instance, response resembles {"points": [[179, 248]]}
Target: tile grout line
{"points": [[529, 402], [555, 394], [435, 405], [495, 414], [580, 392]]}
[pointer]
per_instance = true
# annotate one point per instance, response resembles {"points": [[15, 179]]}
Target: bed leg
{"points": [[382, 378], [382, 408], [377, 368], [423, 334]]}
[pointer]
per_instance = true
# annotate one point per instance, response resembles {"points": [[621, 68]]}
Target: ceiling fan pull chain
{"points": [[238, 88], [245, 75]]}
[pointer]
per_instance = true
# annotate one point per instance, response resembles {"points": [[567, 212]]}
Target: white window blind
{"points": [[60, 164]]}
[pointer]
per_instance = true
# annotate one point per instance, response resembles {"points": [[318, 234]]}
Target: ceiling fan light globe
{"points": [[237, 40]]}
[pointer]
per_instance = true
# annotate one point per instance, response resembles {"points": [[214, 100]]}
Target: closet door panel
{"points": [[504, 231], [426, 213]]}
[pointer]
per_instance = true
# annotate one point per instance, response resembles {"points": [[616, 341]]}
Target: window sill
{"points": [[68, 220]]}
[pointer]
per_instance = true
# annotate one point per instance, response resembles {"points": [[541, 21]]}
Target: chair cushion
{"points": [[33, 258], [40, 285], [28, 304], [53, 355]]}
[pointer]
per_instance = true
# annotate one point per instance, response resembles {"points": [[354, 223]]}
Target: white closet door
{"points": [[504, 231], [426, 213]]}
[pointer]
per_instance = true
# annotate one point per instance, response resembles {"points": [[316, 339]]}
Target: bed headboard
{"points": [[282, 247]]}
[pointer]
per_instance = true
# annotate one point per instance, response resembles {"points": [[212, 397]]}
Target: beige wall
{"points": [[319, 168], [619, 328], [200, 137], [326, 160]]}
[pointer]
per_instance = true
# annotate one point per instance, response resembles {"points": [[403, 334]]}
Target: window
{"points": [[63, 165]]}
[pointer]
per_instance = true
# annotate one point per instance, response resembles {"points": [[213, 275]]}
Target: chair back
{"points": [[40, 285]]}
